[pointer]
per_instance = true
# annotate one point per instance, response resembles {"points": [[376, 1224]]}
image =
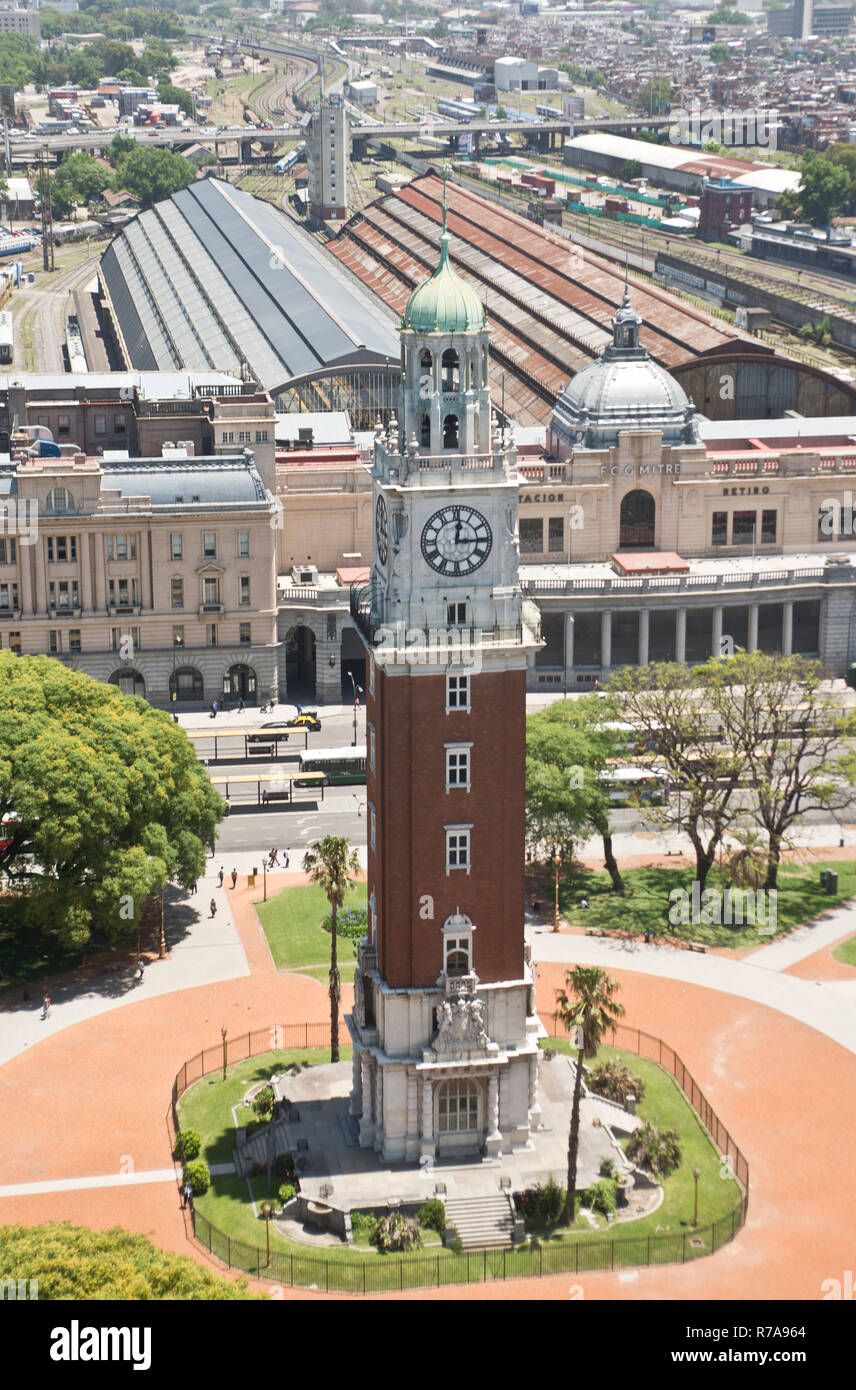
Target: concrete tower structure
{"points": [[444, 1030]]}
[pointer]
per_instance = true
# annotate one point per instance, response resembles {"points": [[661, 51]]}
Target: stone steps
{"points": [[483, 1223]]}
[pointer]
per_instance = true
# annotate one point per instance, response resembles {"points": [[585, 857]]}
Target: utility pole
{"points": [[47, 211]]}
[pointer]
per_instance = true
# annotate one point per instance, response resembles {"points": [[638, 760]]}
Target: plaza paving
{"points": [[89, 1099]]}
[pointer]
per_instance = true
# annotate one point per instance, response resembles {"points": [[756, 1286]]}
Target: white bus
{"points": [[339, 765]]}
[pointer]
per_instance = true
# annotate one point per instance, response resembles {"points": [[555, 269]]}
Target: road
{"points": [[41, 310]]}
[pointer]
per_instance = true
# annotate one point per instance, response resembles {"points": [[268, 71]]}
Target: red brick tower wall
{"points": [[408, 790]]}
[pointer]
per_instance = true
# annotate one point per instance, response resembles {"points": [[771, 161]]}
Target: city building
{"points": [[328, 159], [679, 167], [805, 18], [157, 575], [723, 204], [213, 279], [14, 21], [444, 1030]]}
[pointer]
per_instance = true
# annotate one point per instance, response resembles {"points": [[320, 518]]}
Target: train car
{"points": [[457, 110], [7, 336], [289, 160]]}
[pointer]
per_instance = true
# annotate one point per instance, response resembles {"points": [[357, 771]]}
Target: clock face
{"points": [[382, 531], [456, 540]]}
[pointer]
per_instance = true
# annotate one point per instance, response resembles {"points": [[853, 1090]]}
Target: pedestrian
{"points": [[584, 902], [273, 858], [220, 875], [240, 707], [141, 965], [299, 710], [46, 1006], [227, 808], [213, 908], [187, 1195], [193, 888], [234, 877], [285, 860], [213, 709]]}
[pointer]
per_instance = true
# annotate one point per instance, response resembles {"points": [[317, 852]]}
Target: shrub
{"points": [[352, 922], [188, 1144], [362, 1227], [601, 1197], [283, 1167], [263, 1104], [396, 1232], [432, 1216], [457, 1243], [286, 1192], [608, 1169], [198, 1175], [548, 1202], [657, 1151], [615, 1081]]}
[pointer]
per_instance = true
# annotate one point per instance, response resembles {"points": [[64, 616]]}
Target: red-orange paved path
{"points": [[81, 1101]]}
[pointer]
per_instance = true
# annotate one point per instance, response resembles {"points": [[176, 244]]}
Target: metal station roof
{"points": [[213, 276]]}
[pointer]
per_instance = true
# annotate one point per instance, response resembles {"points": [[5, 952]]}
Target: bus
{"points": [[7, 336], [339, 765], [628, 786]]}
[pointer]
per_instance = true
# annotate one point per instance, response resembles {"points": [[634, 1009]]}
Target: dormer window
{"points": [[451, 370], [458, 944]]}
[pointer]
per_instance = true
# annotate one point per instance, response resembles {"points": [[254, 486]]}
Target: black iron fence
{"points": [[390, 1275]]}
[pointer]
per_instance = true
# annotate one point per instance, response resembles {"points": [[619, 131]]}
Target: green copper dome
{"points": [[444, 304]]}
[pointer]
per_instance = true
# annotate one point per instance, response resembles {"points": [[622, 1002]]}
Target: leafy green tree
{"points": [[333, 864], [824, 188], [153, 174], [107, 800], [658, 1151], [724, 15], [656, 96], [80, 179], [84, 70], [119, 146], [70, 1262], [631, 169], [719, 53], [568, 745], [585, 1004], [176, 96]]}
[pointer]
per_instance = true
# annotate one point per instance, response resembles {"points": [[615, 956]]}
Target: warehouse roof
{"points": [[749, 173], [213, 277]]}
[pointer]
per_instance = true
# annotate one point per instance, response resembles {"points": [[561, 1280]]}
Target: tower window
{"points": [[451, 370], [426, 361], [424, 431], [450, 432], [457, 693], [458, 765], [458, 847], [457, 1107], [456, 614], [457, 951]]}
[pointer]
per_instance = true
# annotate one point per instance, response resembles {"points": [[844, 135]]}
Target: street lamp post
{"points": [[358, 690], [223, 1036], [696, 1176], [267, 1232], [162, 951]]}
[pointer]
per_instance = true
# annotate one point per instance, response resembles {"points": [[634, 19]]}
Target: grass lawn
{"points": [[292, 924], [646, 905], [665, 1106], [845, 951]]}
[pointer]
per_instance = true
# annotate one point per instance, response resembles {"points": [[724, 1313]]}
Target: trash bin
{"points": [[824, 875], [251, 880], [832, 882]]}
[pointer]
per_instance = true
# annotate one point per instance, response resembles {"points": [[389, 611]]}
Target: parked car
{"points": [[259, 735], [307, 720]]}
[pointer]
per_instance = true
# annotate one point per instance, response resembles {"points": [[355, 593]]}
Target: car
{"points": [[308, 720], [259, 735]]}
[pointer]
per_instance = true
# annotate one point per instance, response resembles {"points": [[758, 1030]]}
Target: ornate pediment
{"points": [[460, 1027]]}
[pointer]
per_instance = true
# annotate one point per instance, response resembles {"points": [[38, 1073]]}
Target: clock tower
{"points": [[444, 1030]]}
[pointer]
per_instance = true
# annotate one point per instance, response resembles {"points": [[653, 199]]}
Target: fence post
{"points": [[401, 1274], [258, 1263], [541, 1261], [326, 1276], [438, 1271], [364, 1276], [649, 1251], [684, 1248], [484, 1266], [229, 1251], [504, 1267], [291, 1270], [249, 1046]]}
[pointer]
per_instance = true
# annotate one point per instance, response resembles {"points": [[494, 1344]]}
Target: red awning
{"points": [[650, 562]]}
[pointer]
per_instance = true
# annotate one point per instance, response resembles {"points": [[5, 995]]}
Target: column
{"points": [[144, 560], [85, 573], [427, 1146], [367, 1129], [493, 1141], [681, 635], [41, 580], [569, 645], [752, 636], [606, 639], [356, 1103], [787, 629], [379, 1112], [26, 555], [716, 642], [644, 622], [100, 574], [534, 1107]]}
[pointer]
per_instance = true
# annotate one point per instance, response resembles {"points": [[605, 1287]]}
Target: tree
{"points": [[119, 146], [80, 178], [69, 1262], [772, 711], [658, 1151], [656, 96], [333, 864], [672, 705], [567, 746], [153, 174], [719, 53], [107, 802], [587, 1005], [631, 169], [176, 96], [824, 187]]}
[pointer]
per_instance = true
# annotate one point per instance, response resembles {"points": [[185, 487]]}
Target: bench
{"points": [[595, 931], [260, 750], [697, 946], [275, 796]]}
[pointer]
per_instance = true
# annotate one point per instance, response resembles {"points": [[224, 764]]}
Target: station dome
{"points": [[444, 303]]}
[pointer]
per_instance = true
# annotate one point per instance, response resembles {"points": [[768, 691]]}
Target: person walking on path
{"points": [[285, 860], [187, 1195], [234, 877], [213, 709], [220, 875], [46, 1007], [273, 858], [193, 888], [240, 707], [141, 965], [213, 908]]}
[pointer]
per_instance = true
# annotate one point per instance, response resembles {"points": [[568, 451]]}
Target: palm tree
{"points": [[585, 1004], [334, 864]]}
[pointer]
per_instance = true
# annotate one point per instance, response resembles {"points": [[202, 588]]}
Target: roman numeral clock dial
{"points": [[456, 540]]}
